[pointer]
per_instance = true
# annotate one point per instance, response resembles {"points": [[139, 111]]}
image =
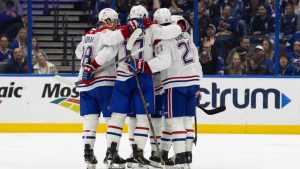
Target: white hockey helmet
{"points": [[107, 13], [162, 16], [138, 11], [178, 18]]}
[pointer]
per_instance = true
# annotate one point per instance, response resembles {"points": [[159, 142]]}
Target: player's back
{"points": [[92, 44], [185, 69]]}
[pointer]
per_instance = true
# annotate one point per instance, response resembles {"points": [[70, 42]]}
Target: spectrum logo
{"points": [[249, 97], [69, 103]]}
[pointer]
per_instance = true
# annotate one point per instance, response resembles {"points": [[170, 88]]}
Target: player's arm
{"points": [[163, 57], [165, 32], [79, 50], [106, 54], [160, 62]]}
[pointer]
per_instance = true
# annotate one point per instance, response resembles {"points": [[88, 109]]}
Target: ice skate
{"points": [[112, 159], [140, 161], [89, 157], [130, 161], [189, 157], [155, 160], [181, 161]]}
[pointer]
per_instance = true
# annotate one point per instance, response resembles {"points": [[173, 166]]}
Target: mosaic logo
{"points": [[69, 103]]}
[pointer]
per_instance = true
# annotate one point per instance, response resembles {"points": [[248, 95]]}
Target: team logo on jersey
{"points": [[69, 103], [255, 98]]}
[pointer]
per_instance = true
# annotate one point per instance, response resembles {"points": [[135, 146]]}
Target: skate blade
{"points": [[115, 166], [91, 166], [155, 164], [140, 166]]}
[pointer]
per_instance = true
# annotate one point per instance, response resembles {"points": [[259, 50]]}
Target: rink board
{"points": [[254, 105]]}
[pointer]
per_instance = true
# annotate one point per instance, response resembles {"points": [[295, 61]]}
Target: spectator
{"points": [[260, 53], [298, 67], [9, 18], [226, 31], [211, 63], [256, 68], [235, 66], [5, 52], [262, 24], [43, 66], [268, 48], [21, 41], [181, 6], [204, 20], [285, 68], [289, 20], [295, 55], [36, 49], [243, 49], [17, 64]]}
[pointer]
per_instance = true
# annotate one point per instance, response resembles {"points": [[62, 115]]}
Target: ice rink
{"points": [[65, 151]]}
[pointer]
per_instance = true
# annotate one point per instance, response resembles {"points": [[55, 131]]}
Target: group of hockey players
{"points": [[169, 73]]}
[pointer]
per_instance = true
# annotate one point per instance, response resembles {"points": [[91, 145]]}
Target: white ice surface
{"points": [[65, 151]]}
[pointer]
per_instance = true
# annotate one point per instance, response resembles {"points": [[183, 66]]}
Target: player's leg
{"points": [[175, 114], [188, 121], [141, 131], [156, 119], [131, 127], [89, 109], [120, 106]]}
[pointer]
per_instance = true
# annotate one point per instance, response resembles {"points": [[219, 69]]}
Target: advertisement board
{"points": [[254, 105]]}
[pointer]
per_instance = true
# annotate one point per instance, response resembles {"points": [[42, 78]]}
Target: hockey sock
{"points": [[178, 135], [90, 124], [106, 120], [115, 128], [157, 125], [166, 140], [188, 125], [131, 128], [141, 131]]}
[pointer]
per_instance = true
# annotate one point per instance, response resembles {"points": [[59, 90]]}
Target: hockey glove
{"points": [[134, 24], [138, 66], [87, 72], [148, 22]]}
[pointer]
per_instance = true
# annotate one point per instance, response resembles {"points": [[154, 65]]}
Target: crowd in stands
{"points": [[236, 37], [13, 44]]}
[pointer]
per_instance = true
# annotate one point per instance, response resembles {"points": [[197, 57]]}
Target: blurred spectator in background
{"points": [[259, 52], [15, 6], [36, 49], [226, 31], [17, 64], [285, 68], [43, 66], [298, 67], [21, 41], [255, 67], [178, 6], [268, 48], [5, 52], [295, 55], [204, 20], [9, 18], [262, 24], [211, 63], [235, 66], [289, 20], [243, 49]]}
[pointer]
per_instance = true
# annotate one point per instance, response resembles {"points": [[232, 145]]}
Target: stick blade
{"points": [[133, 38], [213, 111]]}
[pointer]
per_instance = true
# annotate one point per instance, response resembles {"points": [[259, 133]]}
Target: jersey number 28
{"points": [[185, 56]]}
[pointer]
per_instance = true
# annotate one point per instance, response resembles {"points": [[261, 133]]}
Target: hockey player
{"points": [[96, 88], [126, 97], [177, 59]]}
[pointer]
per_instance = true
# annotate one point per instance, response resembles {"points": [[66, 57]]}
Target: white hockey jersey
{"points": [[177, 59], [101, 45], [145, 40]]}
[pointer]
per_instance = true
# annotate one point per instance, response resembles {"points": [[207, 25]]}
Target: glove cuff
{"points": [[147, 68], [95, 64]]}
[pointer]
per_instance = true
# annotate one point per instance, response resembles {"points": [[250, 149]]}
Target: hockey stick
{"points": [[196, 129], [145, 105], [64, 80], [213, 111]]}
